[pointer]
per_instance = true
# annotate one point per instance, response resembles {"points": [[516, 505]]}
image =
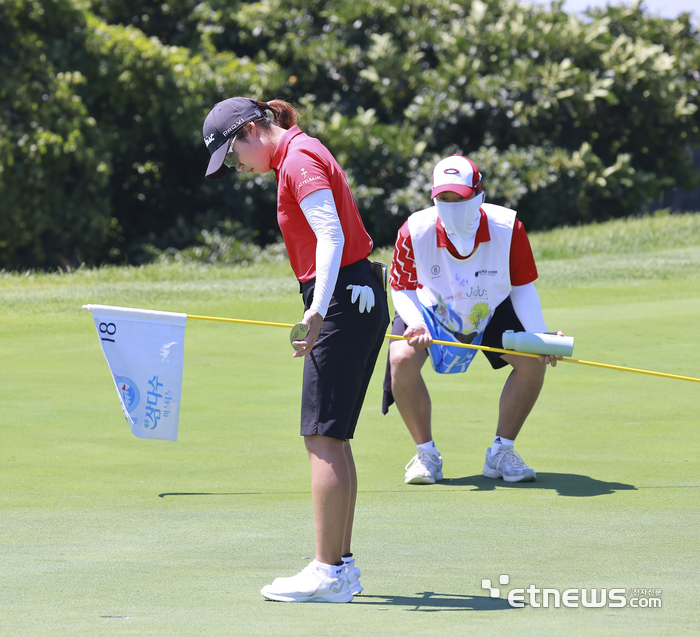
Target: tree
{"points": [[571, 120], [53, 174], [100, 148], [555, 109]]}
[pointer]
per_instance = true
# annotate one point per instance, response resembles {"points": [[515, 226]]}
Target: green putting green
{"points": [[105, 534]]}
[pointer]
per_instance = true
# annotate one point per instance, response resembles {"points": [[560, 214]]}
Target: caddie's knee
{"points": [[530, 367], [405, 360]]}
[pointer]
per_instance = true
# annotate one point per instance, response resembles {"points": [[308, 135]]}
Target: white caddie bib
{"points": [[460, 295]]}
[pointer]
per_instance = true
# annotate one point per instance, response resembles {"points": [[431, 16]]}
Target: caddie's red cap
{"points": [[456, 174]]}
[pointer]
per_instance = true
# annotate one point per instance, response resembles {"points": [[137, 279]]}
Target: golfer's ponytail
{"points": [[285, 115]]}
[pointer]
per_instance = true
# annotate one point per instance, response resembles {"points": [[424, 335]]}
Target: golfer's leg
{"points": [[353, 497], [410, 393], [331, 491], [519, 394]]}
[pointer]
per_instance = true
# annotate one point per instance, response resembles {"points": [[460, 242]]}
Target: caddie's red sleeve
{"points": [[403, 264], [522, 263]]}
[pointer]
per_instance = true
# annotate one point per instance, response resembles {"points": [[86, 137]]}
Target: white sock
{"points": [[428, 447], [498, 442], [347, 558], [329, 570]]}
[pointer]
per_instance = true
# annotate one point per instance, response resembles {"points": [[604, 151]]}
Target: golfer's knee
{"points": [[323, 445]]}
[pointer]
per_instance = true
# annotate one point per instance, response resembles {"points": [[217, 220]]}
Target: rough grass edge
{"points": [[225, 257]]}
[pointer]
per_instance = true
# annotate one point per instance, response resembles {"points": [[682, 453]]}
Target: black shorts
{"points": [[504, 318], [338, 369]]}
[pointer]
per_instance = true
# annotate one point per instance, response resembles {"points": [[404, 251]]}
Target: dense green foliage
{"points": [[101, 104]]}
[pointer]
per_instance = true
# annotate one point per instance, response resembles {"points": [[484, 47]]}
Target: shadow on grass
{"points": [[162, 495], [566, 484], [431, 602]]}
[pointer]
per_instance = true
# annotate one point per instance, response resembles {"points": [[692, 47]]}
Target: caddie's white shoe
{"points": [[424, 468], [507, 464], [352, 573], [311, 585]]}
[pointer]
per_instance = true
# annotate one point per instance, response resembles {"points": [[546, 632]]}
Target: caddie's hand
{"points": [[365, 294], [551, 360], [419, 336], [313, 320]]}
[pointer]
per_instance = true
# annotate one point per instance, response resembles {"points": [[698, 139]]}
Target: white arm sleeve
{"points": [[528, 308], [408, 306], [322, 215]]}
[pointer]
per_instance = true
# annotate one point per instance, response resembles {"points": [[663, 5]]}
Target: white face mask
{"points": [[461, 221]]}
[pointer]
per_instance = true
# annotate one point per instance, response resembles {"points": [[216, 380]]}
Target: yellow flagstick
{"points": [[563, 360], [481, 347], [230, 320], [631, 369]]}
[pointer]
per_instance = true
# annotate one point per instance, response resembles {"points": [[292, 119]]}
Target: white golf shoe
{"points": [[507, 464], [352, 573], [424, 468], [310, 585]]}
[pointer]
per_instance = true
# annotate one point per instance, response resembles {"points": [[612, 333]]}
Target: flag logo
{"points": [[128, 391]]}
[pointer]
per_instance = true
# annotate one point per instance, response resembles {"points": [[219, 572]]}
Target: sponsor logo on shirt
{"points": [[479, 273], [435, 270], [306, 180]]}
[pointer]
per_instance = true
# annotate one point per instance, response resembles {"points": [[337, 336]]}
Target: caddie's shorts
{"points": [[338, 369], [504, 318]]}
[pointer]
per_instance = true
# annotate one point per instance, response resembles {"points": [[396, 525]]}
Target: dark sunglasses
{"points": [[231, 160]]}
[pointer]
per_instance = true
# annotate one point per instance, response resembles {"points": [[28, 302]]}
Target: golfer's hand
{"points": [[313, 320], [419, 336], [551, 360], [365, 294]]}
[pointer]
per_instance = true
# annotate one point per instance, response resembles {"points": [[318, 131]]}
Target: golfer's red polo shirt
{"points": [[303, 165]]}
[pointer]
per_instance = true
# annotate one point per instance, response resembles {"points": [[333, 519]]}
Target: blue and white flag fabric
{"points": [[144, 350]]}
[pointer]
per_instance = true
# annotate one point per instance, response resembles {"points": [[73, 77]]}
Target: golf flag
{"points": [[144, 351]]}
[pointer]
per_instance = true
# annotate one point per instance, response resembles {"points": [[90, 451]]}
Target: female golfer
{"points": [[345, 310]]}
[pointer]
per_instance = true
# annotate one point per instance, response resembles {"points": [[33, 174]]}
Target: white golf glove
{"points": [[365, 294]]}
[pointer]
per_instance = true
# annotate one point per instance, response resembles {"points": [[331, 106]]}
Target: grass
{"points": [[106, 534], [623, 236]]}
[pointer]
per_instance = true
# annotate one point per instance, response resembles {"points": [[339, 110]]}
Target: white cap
{"points": [[456, 174]]}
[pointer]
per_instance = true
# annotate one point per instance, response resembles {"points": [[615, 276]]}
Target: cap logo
{"points": [[234, 126], [209, 139], [451, 171]]}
